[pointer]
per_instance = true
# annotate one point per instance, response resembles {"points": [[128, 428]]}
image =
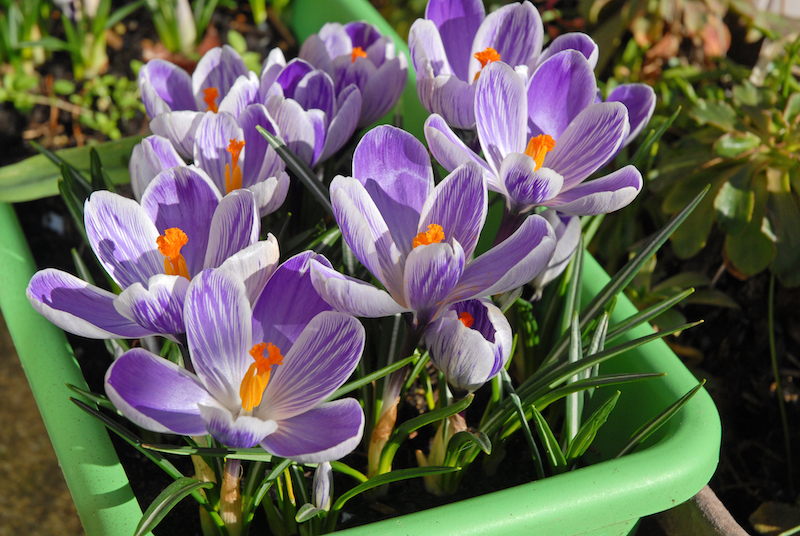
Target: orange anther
{"points": [[485, 57], [434, 235], [466, 319], [538, 147], [170, 244], [233, 174], [358, 52], [255, 380], [211, 94]]}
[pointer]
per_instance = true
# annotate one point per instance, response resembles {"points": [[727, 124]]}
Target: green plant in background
{"points": [[740, 136], [20, 30], [181, 26]]}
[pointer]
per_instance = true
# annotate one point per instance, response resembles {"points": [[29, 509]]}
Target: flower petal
{"points": [[343, 123], [559, 90], [219, 68], [459, 204], [288, 302], [255, 265], [527, 186], [122, 237], [383, 90], [500, 113], [568, 234], [243, 93], [183, 197], [450, 97], [600, 196], [260, 159], [235, 226], [165, 87], [325, 433], [427, 50], [150, 157], [217, 316], [510, 264], [353, 296], [432, 272], [640, 100], [450, 151], [589, 142], [80, 308], [270, 193], [211, 143], [179, 128], [158, 307], [395, 169], [579, 41], [156, 394], [458, 22], [294, 125], [314, 52], [291, 76], [515, 31], [319, 362], [242, 432]]}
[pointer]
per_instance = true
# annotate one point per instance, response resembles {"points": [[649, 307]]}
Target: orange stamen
{"points": [[358, 52], [538, 147], [233, 179], [434, 235], [485, 57], [257, 376], [170, 244], [211, 94], [466, 319]]}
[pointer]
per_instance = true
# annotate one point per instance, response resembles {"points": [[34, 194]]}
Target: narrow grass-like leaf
{"points": [[100, 400], [462, 440], [516, 404], [588, 431], [558, 464], [100, 178], [625, 275], [299, 168], [659, 420], [255, 454], [166, 501], [652, 137], [646, 315], [369, 378], [269, 480], [306, 512], [574, 402], [387, 478], [74, 207], [349, 471], [593, 383], [402, 432]]}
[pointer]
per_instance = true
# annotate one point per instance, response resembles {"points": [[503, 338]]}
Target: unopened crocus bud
{"points": [[470, 343], [323, 486]]}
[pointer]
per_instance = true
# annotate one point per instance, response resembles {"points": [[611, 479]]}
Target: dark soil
{"points": [[732, 345]]}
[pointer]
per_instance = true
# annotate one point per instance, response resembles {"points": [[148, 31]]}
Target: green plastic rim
{"points": [[605, 498]]}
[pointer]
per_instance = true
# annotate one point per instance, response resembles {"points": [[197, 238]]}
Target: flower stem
{"points": [[510, 222], [776, 374], [230, 500]]}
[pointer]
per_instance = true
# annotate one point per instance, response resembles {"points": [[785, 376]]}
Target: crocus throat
{"points": [[434, 235], [485, 57], [466, 319], [257, 376], [170, 244], [538, 147], [233, 175], [358, 52], [211, 94]]}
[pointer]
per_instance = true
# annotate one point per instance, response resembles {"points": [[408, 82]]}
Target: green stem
{"points": [[778, 388]]}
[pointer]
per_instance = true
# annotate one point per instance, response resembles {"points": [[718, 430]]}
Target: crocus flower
{"points": [[568, 236], [542, 144], [260, 377], [177, 102], [456, 40], [470, 343], [233, 154], [640, 100], [307, 112], [151, 251], [418, 240], [357, 53]]}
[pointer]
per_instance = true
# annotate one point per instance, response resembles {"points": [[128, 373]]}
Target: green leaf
{"points": [[352, 386], [100, 400], [37, 177], [237, 41], [717, 113], [306, 512], [387, 478], [593, 382], [63, 87], [752, 250], [252, 454], [166, 501], [792, 110], [583, 440], [558, 464], [100, 178], [659, 420], [460, 439], [654, 136], [716, 298], [734, 144], [299, 168], [785, 220], [735, 201]]}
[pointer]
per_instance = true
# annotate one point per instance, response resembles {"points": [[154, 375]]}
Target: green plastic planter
{"points": [[606, 498]]}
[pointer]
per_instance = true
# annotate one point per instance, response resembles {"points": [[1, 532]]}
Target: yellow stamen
{"points": [[211, 94], [538, 147], [257, 376], [434, 235], [170, 244], [233, 179], [358, 52], [466, 319], [485, 57]]}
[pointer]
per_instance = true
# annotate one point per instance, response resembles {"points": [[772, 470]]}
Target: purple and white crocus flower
{"points": [[470, 343], [454, 42], [177, 102], [152, 251], [542, 142], [260, 376], [232, 152], [417, 239], [357, 53], [307, 112]]}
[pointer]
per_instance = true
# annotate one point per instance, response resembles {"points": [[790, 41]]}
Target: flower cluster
{"points": [[266, 344]]}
